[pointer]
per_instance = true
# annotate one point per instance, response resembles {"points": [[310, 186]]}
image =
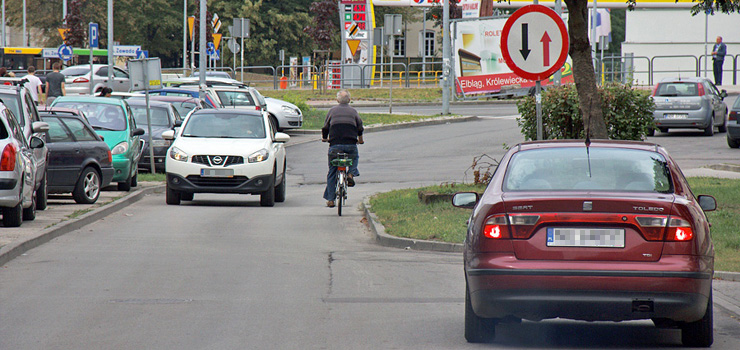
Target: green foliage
{"points": [[628, 113]]}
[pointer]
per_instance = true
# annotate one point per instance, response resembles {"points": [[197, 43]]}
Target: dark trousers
{"points": [[718, 71], [330, 192]]}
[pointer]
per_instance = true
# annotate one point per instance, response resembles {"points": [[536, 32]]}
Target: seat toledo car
{"points": [[693, 103], [605, 231], [226, 151]]}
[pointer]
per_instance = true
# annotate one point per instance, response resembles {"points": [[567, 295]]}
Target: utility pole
{"points": [[110, 43], [446, 67], [202, 49], [184, 37]]}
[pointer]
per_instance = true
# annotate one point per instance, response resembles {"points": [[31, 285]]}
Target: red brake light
{"points": [[496, 227], [7, 83], [81, 80], [258, 108], [110, 157], [7, 163], [700, 89], [679, 230], [733, 116]]}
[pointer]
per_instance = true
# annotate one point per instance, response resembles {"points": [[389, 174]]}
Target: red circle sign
{"points": [[534, 42]]}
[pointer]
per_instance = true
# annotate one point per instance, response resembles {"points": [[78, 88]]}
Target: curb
{"points": [[15, 249], [372, 128], [387, 240]]}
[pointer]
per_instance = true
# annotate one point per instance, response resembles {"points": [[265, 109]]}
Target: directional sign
{"points": [[126, 50], [210, 48], [141, 54], [65, 52], [94, 35], [534, 42]]}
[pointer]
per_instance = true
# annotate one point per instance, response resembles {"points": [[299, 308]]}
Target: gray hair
{"points": [[343, 96]]}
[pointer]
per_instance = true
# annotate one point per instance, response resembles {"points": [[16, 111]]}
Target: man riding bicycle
{"points": [[343, 130]]}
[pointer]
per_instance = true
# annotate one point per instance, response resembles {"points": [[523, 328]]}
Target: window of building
{"points": [[399, 46], [429, 44]]}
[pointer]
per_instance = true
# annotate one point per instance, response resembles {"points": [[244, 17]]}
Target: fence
{"points": [[643, 70]]}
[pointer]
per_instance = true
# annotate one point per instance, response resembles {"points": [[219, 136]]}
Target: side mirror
{"points": [[723, 93], [178, 123], [137, 132], [36, 142], [466, 200], [40, 126], [707, 203], [281, 137], [168, 135]]}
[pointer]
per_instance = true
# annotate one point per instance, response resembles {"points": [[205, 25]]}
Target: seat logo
{"points": [[588, 206]]}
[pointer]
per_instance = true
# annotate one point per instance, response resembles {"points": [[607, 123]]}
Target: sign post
{"points": [[93, 31], [534, 43], [146, 74]]}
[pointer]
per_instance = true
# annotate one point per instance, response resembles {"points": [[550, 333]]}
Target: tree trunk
{"points": [[583, 70]]}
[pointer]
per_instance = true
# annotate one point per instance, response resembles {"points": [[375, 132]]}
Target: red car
{"points": [[597, 231]]}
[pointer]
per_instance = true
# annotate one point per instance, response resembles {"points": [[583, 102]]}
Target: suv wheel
{"points": [[732, 142], [172, 197]]}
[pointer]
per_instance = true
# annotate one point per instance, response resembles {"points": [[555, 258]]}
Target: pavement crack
{"points": [[331, 274]]}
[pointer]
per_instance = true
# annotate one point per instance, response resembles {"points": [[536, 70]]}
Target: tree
{"points": [[325, 28], [76, 29]]}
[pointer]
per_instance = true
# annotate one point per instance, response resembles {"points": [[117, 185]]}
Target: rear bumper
{"points": [[698, 119], [675, 287], [733, 131]]}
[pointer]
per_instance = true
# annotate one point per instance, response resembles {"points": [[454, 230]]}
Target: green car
{"points": [[113, 120]]}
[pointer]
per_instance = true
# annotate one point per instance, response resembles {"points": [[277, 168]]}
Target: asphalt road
{"points": [[221, 272]]}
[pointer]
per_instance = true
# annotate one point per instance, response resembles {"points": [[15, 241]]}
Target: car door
{"points": [[716, 102], [66, 157], [278, 148], [121, 80], [40, 155]]}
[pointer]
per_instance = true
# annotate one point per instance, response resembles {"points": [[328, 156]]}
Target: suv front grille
{"points": [[217, 160], [235, 181]]}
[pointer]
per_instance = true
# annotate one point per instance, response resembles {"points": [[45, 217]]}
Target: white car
{"points": [[77, 79], [226, 151]]}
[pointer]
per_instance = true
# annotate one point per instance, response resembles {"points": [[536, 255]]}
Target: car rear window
{"points": [[678, 89], [100, 115], [222, 125], [158, 116], [592, 169], [235, 98]]}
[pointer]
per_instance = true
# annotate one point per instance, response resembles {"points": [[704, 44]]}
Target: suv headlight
{"points": [[289, 110], [120, 148], [178, 154], [259, 156]]}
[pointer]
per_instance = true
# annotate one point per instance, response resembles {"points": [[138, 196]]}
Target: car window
{"points": [[235, 98], [11, 102], [130, 114], [119, 73], [57, 131], [260, 98], [15, 128], [158, 116], [174, 93], [4, 131], [28, 106], [593, 169], [222, 125], [102, 72], [100, 115], [80, 131], [677, 89]]}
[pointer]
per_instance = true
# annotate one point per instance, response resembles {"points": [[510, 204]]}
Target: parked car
{"points": [[599, 231], [689, 103], [17, 171], [210, 98], [282, 114], [213, 74], [80, 162], [183, 104], [164, 117], [18, 99], [77, 79], [226, 151], [113, 119], [210, 82], [733, 125]]}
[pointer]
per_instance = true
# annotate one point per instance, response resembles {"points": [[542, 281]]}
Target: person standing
{"points": [[718, 57], [343, 130], [33, 84], [54, 83]]}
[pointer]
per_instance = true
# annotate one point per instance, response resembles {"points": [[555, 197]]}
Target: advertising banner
{"points": [[479, 65]]}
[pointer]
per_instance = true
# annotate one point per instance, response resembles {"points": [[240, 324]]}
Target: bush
{"points": [[628, 113]]}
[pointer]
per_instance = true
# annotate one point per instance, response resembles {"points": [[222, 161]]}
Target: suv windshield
{"points": [[235, 98], [678, 89], [595, 169], [221, 125]]}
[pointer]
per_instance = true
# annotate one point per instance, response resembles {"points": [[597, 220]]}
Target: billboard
{"points": [[478, 63]]}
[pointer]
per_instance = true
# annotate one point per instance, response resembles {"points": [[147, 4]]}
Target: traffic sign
{"points": [[233, 45], [210, 48], [126, 50], [65, 52], [141, 54], [94, 32], [534, 42], [215, 55]]}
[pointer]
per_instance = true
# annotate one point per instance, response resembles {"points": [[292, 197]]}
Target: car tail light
{"points": [[258, 108], [653, 227], [700, 89], [733, 116], [7, 163], [679, 230], [110, 157], [81, 80], [7, 83], [496, 227], [522, 226]]}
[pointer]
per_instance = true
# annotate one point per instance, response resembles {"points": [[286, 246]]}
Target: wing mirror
{"points": [[40, 126], [707, 203], [723, 93], [178, 123], [168, 135], [282, 137], [466, 200], [137, 132]]}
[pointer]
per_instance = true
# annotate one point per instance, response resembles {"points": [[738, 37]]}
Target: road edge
{"points": [[386, 127], [16, 249]]}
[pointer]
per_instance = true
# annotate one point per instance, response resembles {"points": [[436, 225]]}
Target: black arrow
{"points": [[525, 41]]}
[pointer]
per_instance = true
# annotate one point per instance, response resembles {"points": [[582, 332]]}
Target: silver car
{"points": [[17, 171], [77, 79], [693, 103]]}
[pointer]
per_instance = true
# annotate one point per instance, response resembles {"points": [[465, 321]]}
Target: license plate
{"points": [[676, 116], [585, 237], [217, 172]]}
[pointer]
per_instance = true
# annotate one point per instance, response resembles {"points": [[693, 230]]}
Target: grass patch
{"points": [[314, 119], [158, 177], [400, 95], [404, 216]]}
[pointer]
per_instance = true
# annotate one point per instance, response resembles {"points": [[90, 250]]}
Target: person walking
{"points": [[33, 84], [343, 130], [718, 57], [54, 83]]}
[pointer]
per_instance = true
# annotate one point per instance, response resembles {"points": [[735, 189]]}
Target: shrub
{"points": [[628, 113]]}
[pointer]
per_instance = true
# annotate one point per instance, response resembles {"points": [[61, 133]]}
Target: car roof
{"points": [[142, 102], [639, 145], [91, 99], [683, 80], [171, 98], [228, 111]]}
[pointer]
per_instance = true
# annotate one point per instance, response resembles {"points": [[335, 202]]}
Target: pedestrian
{"points": [[718, 57], [105, 92], [54, 83], [3, 72], [343, 130], [33, 84]]}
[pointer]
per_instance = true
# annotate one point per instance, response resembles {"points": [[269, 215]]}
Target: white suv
{"points": [[226, 151]]}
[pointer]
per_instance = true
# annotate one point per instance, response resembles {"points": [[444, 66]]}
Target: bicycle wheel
{"points": [[340, 192]]}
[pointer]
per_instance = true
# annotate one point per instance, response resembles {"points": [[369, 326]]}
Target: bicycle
{"points": [[342, 163]]}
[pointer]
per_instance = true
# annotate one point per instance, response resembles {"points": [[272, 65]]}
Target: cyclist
{"points": [[343, 130]]}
